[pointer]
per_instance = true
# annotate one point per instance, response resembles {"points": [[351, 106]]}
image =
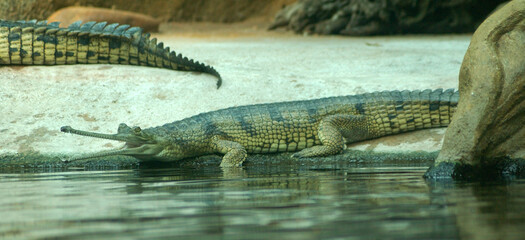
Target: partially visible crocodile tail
{"points": [[41, 43]]}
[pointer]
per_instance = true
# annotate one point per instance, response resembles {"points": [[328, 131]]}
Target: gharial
{"points": [[41, 43], [318, 127]]}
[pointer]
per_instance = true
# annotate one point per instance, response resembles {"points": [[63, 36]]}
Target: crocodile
{"points": [[314, 128], [41, 43]]}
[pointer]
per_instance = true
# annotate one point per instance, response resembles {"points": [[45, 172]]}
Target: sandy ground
{"points": [[257, 67]]}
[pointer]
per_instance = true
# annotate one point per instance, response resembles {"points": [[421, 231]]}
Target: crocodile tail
{"points": [[179, 62], [430, 108], [392, 112], [42, 43]]}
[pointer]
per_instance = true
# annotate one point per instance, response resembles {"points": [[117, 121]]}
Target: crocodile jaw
{"points": [[137, 145]]}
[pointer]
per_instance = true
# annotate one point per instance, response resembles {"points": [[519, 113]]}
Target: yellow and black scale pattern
{"points": [[41, 43], [301, 125]]}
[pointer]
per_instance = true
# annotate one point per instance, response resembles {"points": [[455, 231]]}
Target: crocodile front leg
{"points": [[234, 152], [333, 131]]}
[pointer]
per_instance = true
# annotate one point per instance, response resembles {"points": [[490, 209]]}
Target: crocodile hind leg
{"points": [[333, 131], [234, 152]]}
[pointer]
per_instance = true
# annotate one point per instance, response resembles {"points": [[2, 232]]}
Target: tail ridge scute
{"points": [[75, 26], [445, 107]]}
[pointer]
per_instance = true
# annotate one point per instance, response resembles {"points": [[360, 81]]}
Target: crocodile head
{"points": [[138, 143]]}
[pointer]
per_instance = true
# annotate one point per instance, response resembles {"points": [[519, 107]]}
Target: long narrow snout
{"points": [[137, 143], [123, 137]]}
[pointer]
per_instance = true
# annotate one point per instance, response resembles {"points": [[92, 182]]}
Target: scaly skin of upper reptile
{"points": [[41, 43]]}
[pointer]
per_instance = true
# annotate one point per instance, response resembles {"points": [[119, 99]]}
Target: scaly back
{"points": [[41, 43], [293, 125]]}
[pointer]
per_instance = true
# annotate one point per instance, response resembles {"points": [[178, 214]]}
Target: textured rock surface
{"points": [[173, 10], [489, 123], [371, 17], [69, 15]]}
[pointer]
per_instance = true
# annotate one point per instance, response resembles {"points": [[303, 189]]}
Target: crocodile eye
{"points": [[136, 129]]}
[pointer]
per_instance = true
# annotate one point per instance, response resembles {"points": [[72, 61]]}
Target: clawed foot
{"points": [[305, 153], [317, 151], [298, 155], [234, 158], [230, 165]]}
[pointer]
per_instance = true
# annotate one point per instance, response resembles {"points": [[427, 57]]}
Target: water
{"points": [[257, 203]]}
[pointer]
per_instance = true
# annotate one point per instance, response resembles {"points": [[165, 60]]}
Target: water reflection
{"points": [[485, 210], [256, 203]]}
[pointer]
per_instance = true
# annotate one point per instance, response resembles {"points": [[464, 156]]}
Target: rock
{"points": [[174, 10], [25, 9], [68, 15], [489, 123], [373, 17]]}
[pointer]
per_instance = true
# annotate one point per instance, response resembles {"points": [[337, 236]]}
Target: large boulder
{"points": [[489, 124], [373, 17]]}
